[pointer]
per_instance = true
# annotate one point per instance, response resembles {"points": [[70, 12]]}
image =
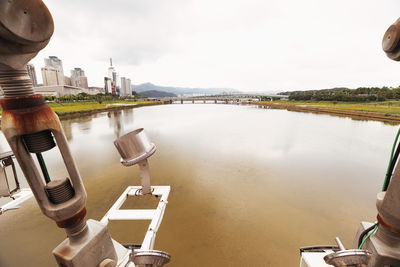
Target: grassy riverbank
{"points": [[62, 108], [386, 111], [390, 107]]}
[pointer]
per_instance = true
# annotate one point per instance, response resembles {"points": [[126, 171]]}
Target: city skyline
{"points": [[249, 45], [55, 82]]}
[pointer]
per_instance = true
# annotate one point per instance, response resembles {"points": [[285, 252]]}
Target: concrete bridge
{"points": [[228, 99]]}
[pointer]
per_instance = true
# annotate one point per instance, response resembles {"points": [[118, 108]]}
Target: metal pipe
{"points": [[43, 167], [145, 177], [339, 243]]}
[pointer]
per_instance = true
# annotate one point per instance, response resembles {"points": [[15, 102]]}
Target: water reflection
{"points": [[84, 124], [249, 185], [128, 116], [66, 125], [115, 122]]}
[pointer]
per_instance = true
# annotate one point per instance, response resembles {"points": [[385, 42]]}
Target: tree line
{"points": [[361, 94]]}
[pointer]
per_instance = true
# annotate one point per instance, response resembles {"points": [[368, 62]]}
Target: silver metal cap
{"points": [[134, 147], [350, 257], [154, 258]]}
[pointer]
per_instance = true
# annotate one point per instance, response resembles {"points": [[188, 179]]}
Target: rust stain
{"points": [[28, 114], [77, 218]]}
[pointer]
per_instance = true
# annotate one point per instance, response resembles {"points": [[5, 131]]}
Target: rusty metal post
{"points": [[389, 201], [31, 127], [384, 243]]}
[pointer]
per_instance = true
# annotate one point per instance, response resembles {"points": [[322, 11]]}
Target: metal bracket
{"points": [[155, 215]]}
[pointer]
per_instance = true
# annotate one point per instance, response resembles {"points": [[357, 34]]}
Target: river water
{"points": [[250, 185]]}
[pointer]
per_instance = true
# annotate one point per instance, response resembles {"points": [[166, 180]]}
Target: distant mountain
{"points": [[181, 90], [156, 93]]}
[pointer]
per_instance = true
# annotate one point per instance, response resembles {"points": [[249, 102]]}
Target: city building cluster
{"points": [[114, 85], [56, 83]]}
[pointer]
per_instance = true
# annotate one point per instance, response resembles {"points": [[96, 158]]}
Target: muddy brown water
{"points": [[249, 185]]}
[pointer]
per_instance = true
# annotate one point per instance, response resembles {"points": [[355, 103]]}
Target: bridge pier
{"points": [[181, 101], [204, 101], [192, 101], [215, 101]]}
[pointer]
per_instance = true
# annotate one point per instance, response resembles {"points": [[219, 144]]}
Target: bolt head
{"points": [[25, 21]]}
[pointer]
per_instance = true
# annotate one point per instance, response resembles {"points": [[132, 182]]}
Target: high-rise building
{"points": [[32, 73], [77, 72], [125, 87], [128, 87], [67, 81], [52, 76], [113, 75], [54, 62], [107, 85], [78, 78], [53, 73], [122, 89]]}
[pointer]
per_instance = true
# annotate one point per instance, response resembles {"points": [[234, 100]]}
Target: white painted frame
{"points": [[17, 199], [155, 215]]}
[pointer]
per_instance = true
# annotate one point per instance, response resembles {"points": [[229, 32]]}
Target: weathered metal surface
{"points": [[29, 126], [352, 257], [26, 27], [39, 142], [135, 148], [347, 257], [5, 188], [154, 258], [388, 203], [77, 218], [384, 245], [28, 115], [145, 177], [74, 220], [16, 83], [59, 191], [89, 248], [391, 41]]}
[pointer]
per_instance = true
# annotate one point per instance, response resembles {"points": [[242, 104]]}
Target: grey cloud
{"points": [[262, 44], [130, 31]]}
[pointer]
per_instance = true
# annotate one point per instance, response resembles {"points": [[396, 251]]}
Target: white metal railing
{"points": [[17, 199], [155, 215]]}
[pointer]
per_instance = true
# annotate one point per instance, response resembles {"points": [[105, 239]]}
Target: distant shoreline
{"points": [[386, 117], [77, 114], [391, 118]]}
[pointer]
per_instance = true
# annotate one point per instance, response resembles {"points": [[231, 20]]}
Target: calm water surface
{"points": [[249, 185]]}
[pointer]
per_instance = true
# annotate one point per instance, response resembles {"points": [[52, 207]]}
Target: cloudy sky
{"points": [[250, 45]]}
